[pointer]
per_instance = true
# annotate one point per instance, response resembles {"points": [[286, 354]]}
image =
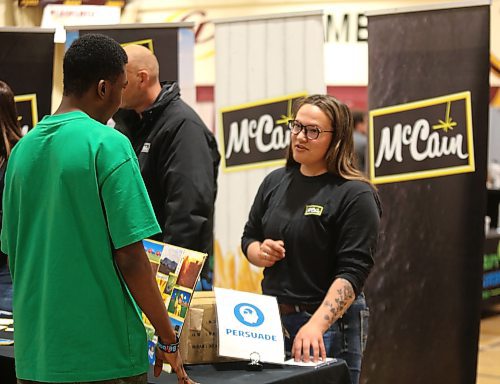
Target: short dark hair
{"points": [[358, 117], [91, 58]]}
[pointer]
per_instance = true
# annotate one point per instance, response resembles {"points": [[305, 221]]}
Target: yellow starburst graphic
{"points": [[448, 123], [284, 119]]}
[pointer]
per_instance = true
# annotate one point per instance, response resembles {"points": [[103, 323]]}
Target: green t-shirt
{"points": [[73, 192]]}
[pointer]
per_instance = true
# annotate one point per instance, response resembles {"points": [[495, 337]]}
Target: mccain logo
{"points": [[27, 111], [146, 43], [256, 134], [427, 138]]}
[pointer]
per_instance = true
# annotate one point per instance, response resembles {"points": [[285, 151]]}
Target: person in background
{"points": [[177, 155], [360, 137], [75, 213], [313, 226], [11, 134]]}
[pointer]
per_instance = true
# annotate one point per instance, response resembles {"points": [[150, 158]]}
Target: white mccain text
{"points": [[435, 145], [239, 136]]}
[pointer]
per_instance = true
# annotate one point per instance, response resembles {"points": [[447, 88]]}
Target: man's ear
{"points": [[101, 88], [143, 77]]}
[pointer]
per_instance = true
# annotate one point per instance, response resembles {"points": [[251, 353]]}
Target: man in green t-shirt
{"points": [[75, 213]]}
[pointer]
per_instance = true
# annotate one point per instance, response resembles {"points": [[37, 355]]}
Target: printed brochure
{"points": [[177, 271]]}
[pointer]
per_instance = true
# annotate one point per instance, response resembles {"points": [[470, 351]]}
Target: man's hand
{"points": [[175, 361]]}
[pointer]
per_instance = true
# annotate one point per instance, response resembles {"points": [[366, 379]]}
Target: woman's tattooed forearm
{"points": [[344, 297]]}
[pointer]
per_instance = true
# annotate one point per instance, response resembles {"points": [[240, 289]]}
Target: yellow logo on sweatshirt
{"points": [[315, 210]]}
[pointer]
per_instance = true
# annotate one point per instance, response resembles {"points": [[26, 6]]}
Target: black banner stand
{"points": [[425, 291]]}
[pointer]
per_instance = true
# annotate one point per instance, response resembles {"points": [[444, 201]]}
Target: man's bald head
{"points": [[143, 78], [142, 59]]}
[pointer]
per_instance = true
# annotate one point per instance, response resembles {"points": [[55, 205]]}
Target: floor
{"points": [[488, 367]]}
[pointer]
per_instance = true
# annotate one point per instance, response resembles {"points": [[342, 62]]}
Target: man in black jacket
{"points": [[177, 154]]}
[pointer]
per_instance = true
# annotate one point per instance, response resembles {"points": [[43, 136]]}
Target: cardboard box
{"points": [[199, 342]]}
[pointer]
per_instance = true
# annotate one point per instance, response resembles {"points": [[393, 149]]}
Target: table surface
{"points": [[222, 373], [236, 372]]}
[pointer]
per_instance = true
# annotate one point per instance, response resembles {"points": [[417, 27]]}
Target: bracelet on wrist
{"points": [[168, 348]]}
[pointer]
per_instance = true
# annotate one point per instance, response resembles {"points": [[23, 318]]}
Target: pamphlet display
{"points": [[177, 271]]}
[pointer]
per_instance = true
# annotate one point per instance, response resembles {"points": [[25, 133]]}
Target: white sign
{"points": [[59, 15], [249, 324]]}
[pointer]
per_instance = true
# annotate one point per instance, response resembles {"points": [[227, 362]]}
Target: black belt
{"points": [[288, 309]]}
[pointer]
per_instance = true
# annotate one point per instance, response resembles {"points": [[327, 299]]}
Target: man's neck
{"points": [[71, 103], [68, 104], [151, 95]]}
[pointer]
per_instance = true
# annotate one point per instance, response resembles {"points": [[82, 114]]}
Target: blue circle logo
{"points": [[151, 352], [249, 314]]}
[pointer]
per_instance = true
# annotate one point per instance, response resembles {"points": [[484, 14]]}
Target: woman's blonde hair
{"points": [[340, 154]]}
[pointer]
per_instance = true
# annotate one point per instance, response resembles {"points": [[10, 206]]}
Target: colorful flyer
{"points": [[177, 272]]}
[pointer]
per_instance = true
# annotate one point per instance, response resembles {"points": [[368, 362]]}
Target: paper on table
{"points": [[320, 363], [6, 342], [6, 321]]}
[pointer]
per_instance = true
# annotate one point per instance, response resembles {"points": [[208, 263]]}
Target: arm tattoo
{"points": [[344, 294]]}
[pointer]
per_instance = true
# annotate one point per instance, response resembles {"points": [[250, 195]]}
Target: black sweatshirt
{"points": [[329, 226]]}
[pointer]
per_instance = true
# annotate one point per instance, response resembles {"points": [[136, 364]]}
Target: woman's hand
{"points": [[339, 297], [267, 253], [271, 251], [309, 336]]}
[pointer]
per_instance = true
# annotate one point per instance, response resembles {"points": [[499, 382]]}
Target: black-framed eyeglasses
{"points": [[312, 132]]}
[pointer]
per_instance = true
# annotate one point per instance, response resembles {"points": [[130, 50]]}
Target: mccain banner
{"points": [[27, 111], [26, 65], [429, 260], [426, 138], [162, 41], [256, 134]]}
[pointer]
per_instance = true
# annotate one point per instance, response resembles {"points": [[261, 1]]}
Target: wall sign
{"points": [[422, 139]]}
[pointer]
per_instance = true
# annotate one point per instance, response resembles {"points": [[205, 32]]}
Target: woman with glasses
{"points": [[313, 226], [11, 134]]}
